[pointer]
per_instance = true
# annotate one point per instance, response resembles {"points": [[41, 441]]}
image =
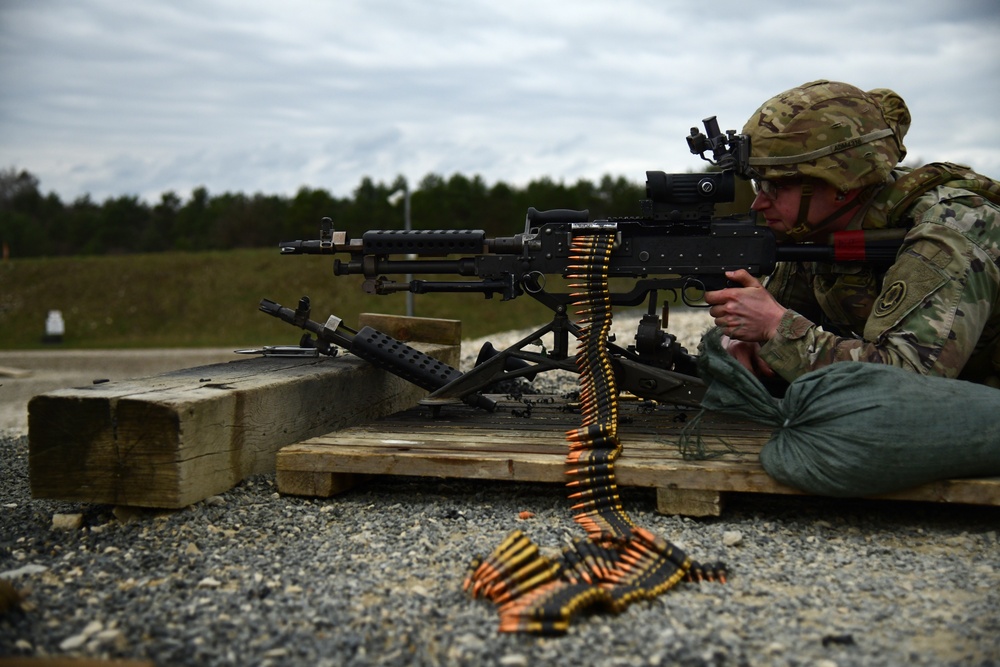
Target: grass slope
{"points": [[208, 299]]}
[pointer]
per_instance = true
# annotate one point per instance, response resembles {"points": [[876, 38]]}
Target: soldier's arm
{"points": [[936, 301]]}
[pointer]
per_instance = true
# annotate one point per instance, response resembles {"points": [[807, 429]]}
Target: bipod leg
{"points": [[496, 367]]}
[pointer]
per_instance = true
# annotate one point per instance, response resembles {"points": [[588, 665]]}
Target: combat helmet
{"points": [[830, 131]]}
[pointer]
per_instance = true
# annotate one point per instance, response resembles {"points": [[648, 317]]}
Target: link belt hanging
{"points": [[618, 562]]}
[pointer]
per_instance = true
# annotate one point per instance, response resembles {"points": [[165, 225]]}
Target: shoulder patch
{"points": [[891, 297], [908, 284]]}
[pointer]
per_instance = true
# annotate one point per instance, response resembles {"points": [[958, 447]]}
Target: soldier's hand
{"points": [[747, 312], [748, 356]]}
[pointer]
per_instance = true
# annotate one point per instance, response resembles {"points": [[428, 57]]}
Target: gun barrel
{"points": [[315, 247], [379, 349]]}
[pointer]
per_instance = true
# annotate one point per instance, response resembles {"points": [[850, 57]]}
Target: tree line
{"points": [[33, 224]]}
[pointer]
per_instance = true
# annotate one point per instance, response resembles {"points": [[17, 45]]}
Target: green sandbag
{"points": [[858, 429]]}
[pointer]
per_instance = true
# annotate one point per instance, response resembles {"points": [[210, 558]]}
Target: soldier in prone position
{"points": [[824, 158]]}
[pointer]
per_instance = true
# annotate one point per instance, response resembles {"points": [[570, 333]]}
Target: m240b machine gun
{"points": [[675, 244]]}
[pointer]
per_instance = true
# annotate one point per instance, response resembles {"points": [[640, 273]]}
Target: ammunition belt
{"points": [[617, 562]]}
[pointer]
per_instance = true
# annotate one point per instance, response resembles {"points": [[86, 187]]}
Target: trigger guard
{"points": [[693, 283], [537, 285]]}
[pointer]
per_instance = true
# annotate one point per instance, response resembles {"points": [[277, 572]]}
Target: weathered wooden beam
{"points": [[174, 439]]}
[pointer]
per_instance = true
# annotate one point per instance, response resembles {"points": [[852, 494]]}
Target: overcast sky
{"points": [[111, 98]]}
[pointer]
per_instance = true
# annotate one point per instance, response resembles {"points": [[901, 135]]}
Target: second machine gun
{"points": [[675, 244]]}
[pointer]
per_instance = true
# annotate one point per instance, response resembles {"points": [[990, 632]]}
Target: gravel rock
{"points": [[732, 538], [67, 521], [374, 577]]}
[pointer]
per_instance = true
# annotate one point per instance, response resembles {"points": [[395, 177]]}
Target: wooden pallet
{"points": [[512, 444]]}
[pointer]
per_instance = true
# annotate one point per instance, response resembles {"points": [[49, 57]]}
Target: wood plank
{"points": [[510, 445], [416, 329], [470, 444], [176, 438], [689, 502], [317, 484]]}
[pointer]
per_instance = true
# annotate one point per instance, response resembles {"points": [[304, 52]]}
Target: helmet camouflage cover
{"points": [[831, 131]]}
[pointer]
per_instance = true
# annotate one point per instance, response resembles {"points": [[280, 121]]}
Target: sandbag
{"points": [[857, 429]]}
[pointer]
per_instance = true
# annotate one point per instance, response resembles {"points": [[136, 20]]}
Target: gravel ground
{"points": [[374, 577]]}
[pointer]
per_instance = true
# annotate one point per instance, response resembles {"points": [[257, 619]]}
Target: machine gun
{"points": [[675, 244]]}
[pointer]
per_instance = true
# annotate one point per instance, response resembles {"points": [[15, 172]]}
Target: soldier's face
{"points": [[778, 202]]}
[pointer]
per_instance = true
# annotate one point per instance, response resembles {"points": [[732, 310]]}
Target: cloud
{"points": [[113, 98]]}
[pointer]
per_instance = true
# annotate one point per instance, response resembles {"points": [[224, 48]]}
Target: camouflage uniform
{"points": [[936, 311]]}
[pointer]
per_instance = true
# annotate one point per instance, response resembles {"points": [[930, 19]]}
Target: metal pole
{"points": [[407, 226]]}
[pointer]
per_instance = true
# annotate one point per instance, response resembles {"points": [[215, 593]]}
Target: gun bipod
{"points": [[512, 362], [635, 374]]}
